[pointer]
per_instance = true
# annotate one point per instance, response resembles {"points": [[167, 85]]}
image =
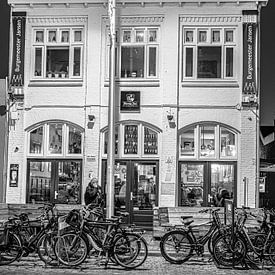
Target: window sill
{"points": [[135, 82], [56, 83], [210, 83]]}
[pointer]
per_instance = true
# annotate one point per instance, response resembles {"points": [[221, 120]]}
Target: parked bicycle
{"points": [[180, 244], [102, 239]]}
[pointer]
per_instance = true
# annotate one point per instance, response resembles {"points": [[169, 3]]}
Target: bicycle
{"points": [[105, 239], [178, 245]]}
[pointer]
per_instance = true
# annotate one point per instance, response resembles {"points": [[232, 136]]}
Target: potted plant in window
{"points": [[56, 74], [63, 74], [49, 74]]}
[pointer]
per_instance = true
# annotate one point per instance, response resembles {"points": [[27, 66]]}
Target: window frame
{"points": [[58, 44], [196, 43]]}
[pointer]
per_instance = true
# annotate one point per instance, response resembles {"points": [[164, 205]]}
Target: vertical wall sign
{"points": [[249, 57], [14, 168], [18, 51], [130, 101]]}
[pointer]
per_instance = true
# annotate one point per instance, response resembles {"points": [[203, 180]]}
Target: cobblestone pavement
{"points": [[153, 265]]}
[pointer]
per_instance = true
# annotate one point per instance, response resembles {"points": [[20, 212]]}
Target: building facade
{"points": [[186, 102]]}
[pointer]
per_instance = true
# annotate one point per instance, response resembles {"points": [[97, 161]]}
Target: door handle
{"points": [[55, 195]]}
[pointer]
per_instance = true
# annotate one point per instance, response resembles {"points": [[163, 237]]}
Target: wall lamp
{"points": [[91, 121]]}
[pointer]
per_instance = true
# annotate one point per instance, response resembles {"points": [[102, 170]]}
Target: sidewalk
{"points": [[153, 244]]}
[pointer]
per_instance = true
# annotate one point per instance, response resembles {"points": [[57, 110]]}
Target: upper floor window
{"points": [[134, 139], [208, 53], [55, 139], [58, 53], [209, 141]]}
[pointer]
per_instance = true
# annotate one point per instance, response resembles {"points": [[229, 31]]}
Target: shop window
{"points": [[150, 141], [59, 55], [130, 139], [55, 139], [208, 53], [203, 140]]}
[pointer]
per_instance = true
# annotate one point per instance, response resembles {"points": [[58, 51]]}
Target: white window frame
{"points": [[71, 44], [208, 43]]}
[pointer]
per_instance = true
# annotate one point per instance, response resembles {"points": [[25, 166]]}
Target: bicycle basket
{"points": [[73, 218]]}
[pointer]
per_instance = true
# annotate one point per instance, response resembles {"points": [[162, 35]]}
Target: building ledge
{"points": [[55, 83], [214, 84]]}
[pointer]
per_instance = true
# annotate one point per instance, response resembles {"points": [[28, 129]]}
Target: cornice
{"points": [[137, 19], [210, 19], [56, 19]]}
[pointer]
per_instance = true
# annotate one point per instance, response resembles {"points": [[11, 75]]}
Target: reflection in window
{"points": [[130, 139], [74, 141], [228, 143], [76, 66], [106, 141], [150, 141], [36, 141], [191, 179], [187, 142], [38, 61], [55, 138], [207, 141]]}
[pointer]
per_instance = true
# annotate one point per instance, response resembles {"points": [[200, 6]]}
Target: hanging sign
{"points": [[130, 101], [249, 61], [18, 51], [14, 168]]}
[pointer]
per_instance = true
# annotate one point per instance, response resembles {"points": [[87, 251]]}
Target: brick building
{"points": [[186, 102]]}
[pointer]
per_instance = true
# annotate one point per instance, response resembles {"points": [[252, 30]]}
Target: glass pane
{"points": [[65, 35], [222, 183], [207, 141], [38, 62], [77, 36], [132, 61], [69, 180], [76, 68], [216, 36], [229, 36], [228, 143], [229, 62], [130, 139], [55, 138], [39, 182], [150, 141], [140, 36], [189, 36], [152, 35], [36, 141], [52, 36], [39, 36], [126, 36], [152, 61], [106, 141], [189, 62], [144, 187], [209, 62], [187, 143], [191, 180], [57, 61], [120, 174], [202, 36], [74, 141]]}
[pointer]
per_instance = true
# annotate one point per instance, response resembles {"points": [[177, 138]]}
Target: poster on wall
{"points": [[18, 48], [14, 168], [249, 58]]}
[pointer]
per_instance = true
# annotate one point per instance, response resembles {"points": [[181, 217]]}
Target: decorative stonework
{"points": [[211, 19], [250, 18], [138, 19], [47, 20]]}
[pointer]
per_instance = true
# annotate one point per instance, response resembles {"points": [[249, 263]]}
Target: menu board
{"points": [[131, 139]]}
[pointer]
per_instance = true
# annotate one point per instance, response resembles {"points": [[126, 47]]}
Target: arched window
{"points": [[55, 139], [207, 141]]}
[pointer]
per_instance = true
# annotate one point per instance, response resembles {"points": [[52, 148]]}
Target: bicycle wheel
{"points": [[258, 241], [71, 249], [45, 249], [175, 247], [130, 250], [11, 251], [228, 254], [271, 252]]}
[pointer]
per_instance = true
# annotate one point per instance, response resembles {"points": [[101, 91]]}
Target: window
{"points": [[55, 139], [138, 53], [202, 142], [58, 53], [134, 140], [208, 53]]}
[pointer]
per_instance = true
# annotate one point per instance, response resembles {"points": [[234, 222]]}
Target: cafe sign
{"points": [[18, 48], [130, 101]]}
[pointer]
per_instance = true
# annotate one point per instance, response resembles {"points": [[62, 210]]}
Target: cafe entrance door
{"points": [[136, 185]]}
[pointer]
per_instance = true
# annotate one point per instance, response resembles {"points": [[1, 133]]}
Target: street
{"points": [[154, 264]]}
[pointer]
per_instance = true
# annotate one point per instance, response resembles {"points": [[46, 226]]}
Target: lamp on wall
{"points": [[91, 121]]}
